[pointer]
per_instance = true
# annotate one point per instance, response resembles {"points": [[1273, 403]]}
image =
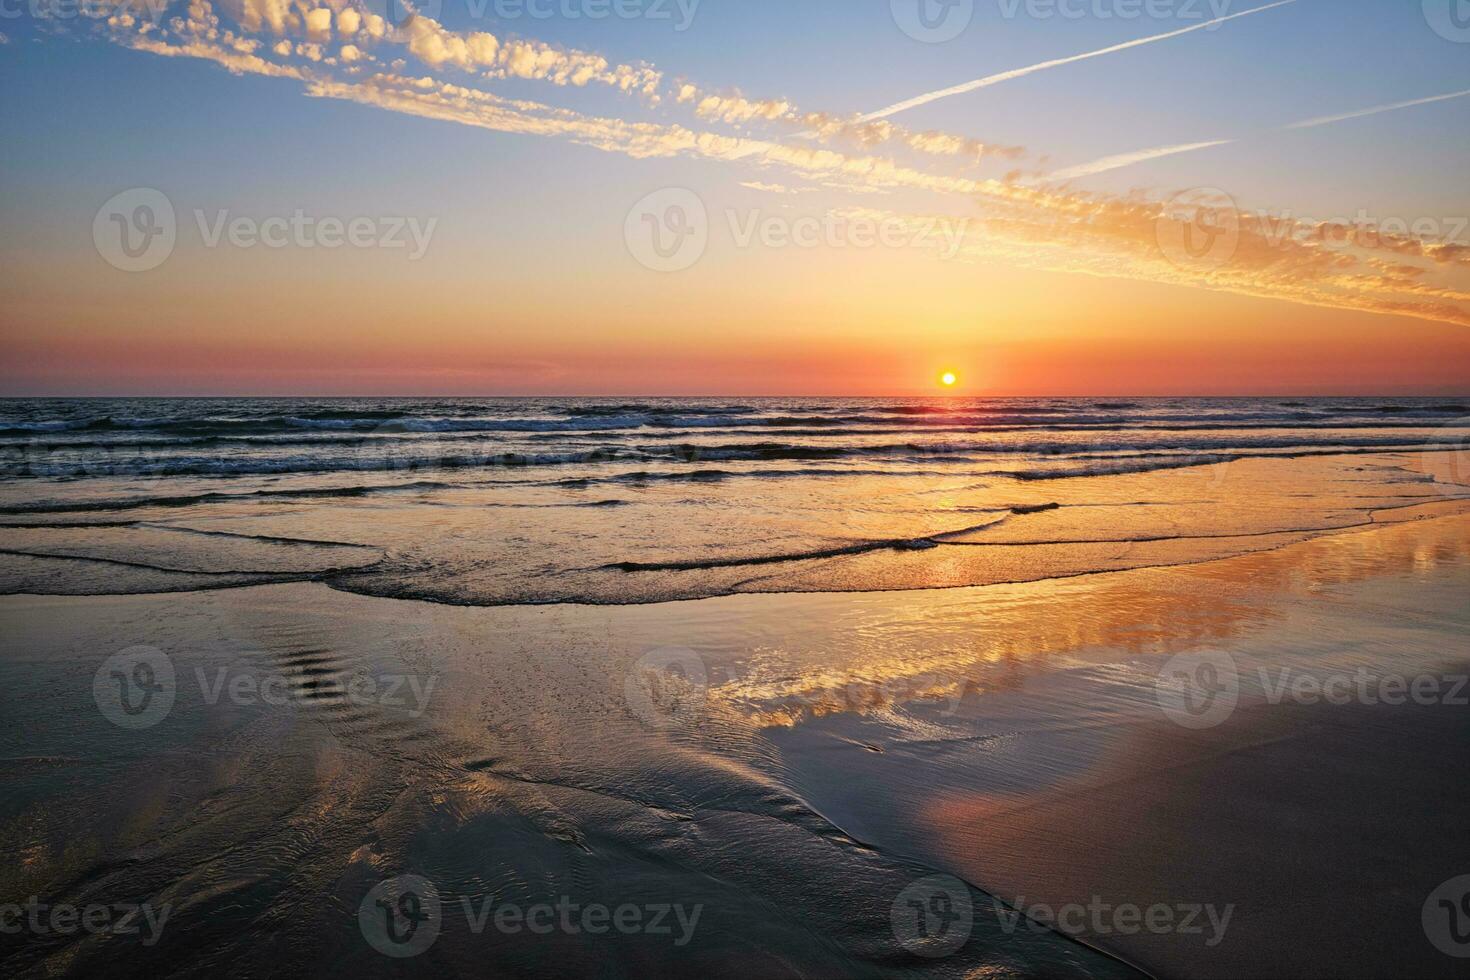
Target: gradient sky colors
{"points": [[1067, 153]]}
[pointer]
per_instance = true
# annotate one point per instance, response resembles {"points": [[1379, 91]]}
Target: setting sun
{"points": [[950, 379]]}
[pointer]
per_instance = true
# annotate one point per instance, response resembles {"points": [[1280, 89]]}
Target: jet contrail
{"points": [[1006, 76], [1324, 120], [1120, 160]]}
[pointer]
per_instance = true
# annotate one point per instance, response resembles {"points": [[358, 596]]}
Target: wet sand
{"points": [[812, 758]]}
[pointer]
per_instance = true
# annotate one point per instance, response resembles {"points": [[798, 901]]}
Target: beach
{"points": [[876, 689]]}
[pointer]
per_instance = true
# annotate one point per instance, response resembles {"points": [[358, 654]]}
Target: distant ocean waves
{"points": [[673, 439]]}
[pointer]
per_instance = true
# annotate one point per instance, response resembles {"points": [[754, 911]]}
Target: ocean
{"points": [[509, 501]]}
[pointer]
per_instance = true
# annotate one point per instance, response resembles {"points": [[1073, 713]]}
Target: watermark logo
{"points": [[136, 230], [933, 916], [857, 229], [680, 12], [1183, 10], [396, 12], [1100, 918], [1446, 917], [302, 230], [133, 10], [933, 21], [1450, 19], [667, 687], [135, 688], [668, 231], [138, 687], [40, 918], [401, 917], [1363, 686], [1198, 690], [1199, 228]]}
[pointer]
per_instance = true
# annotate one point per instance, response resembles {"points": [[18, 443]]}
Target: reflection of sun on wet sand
{"points": [[1054, 778], [1006, 633]]}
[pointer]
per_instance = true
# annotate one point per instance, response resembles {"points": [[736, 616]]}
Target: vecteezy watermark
{"points": [[133, 10], [933, 916], [1202, 689], [1450, 19], [136, 688], [667, 688], [846, 229], [1199, 228], [1359, 231], [38, 918], [397, 12], [1182, 10], [933, 21], [1363, 686], [680, 12], [1199, 690], [301, 230], [401, 917], [137, 230], [1446, 917], [1099, 918], [669, 230]]}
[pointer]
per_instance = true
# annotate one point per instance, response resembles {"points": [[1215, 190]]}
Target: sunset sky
{"points": [[1032, 217]]}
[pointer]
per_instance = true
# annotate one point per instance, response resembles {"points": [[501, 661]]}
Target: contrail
{"points": [[1006, 76], [1324, 120], [1120, 160]]}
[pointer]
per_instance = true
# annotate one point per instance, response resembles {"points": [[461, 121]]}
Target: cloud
{"points": [[738, 109], [1120, 160], [319, 24], [1015, 73], [1358, 268], [757, 185], [734, 108], [1391, 107]]}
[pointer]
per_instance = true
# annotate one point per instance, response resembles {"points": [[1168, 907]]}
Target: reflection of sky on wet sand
{"points": [[1046, 771], [885, 651]]}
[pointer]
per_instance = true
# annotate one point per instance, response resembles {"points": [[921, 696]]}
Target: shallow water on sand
{"points": [[537, 501]]}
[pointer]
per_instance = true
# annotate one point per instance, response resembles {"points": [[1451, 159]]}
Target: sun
{"points": [[949, 379]]}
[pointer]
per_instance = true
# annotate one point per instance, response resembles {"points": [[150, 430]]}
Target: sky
{"points": [[734, 197]]}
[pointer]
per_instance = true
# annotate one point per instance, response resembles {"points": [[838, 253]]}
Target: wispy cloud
{"points": [[1391, 107], [1015, 73], [1120, 160], [1027, 225]]}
